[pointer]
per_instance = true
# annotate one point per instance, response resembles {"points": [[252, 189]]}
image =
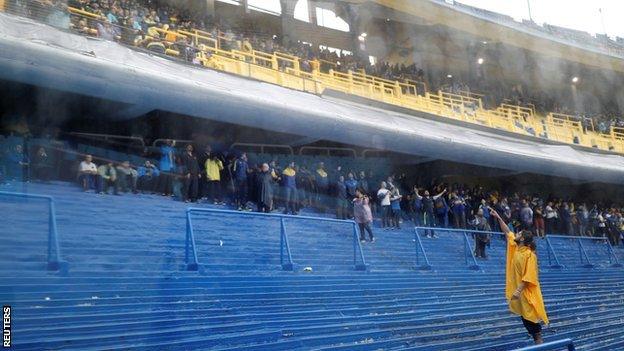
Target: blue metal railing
{"points": [[190, 249], [285, 254], [285, 246], [550, 251], [551, 346], [469, 257], [583, 256], [54, 250], [470, 253], [419, 247], [613, 260]]}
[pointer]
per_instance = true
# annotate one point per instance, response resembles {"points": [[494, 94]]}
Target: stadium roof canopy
{"points": [[40, 55]]}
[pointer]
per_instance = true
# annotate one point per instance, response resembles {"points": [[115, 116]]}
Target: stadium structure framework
{"points": [[40, 55]]}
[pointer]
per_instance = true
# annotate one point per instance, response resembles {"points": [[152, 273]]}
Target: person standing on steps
{"points": [[384, 201], [522, 288], [395, 207], [428, 209], [362, 214], [289, 185], [192, 176], [264, 188]]}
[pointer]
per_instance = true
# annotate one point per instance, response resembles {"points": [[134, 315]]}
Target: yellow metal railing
{"points": [[285, 70]]}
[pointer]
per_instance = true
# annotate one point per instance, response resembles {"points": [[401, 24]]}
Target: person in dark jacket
{"points": [[481, 239], [289, 183], [416, 207], [18, 164], [240, 172], [341, 198], [428, 209], [192, 177], [352, 184], [42, 165], [321, 182], [265, 189]]}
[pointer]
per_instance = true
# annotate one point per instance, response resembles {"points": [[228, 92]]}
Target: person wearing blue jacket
{"points": [[351, 184], [441, 210], [147, 175], [167, 168], [289, 183], [18, 164]]}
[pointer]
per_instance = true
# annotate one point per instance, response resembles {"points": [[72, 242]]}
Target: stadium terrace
{"points": [[307, 175]]}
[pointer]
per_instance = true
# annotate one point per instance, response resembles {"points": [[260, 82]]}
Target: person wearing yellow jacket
{"points": [[214, 166], [522, 288]]}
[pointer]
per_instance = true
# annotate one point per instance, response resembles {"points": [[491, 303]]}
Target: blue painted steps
{"points": [[126, 287]]}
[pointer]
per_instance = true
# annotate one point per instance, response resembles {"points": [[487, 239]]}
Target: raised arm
{"points": [[440, 194], [502, 223], [417, 195]]}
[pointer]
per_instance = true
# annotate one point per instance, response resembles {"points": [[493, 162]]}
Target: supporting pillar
{"points": [[288, 19]]}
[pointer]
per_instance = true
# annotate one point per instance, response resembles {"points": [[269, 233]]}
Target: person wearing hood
{"points": [[522, 286]]}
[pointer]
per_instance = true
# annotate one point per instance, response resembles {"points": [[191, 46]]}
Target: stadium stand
{"points": [[126, 286], [143, 269], [222, 52]]}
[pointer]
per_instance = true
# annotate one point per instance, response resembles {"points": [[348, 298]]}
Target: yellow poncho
{"points": [[522, 267]]}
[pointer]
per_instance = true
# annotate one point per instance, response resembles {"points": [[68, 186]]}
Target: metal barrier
{"points": [[54, 251], [468, 252], [190, 249], [583, 256], [107, 137], [550, 251], [262, 146], [177, 141], [419, 245], [285, 70], [286, 261], [469, 257], [551, 346], [328, 150]]}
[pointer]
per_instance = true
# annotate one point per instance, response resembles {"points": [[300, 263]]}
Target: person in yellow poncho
{"points": [[522, 288]]}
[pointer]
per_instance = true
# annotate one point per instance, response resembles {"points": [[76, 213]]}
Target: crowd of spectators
{"points": [[151, 24], [230, 178]]}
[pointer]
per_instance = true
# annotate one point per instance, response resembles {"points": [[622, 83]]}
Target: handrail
{"points": [[552, 250], [419, 245], [388, 91], [177, 141], [328, 149], [192, 264], [54, 251], [108, 136], [468, 249], [550, 346], [357, 247], [262, 146], [289, 266], [584, 254], [613, 260], [283, 242]]}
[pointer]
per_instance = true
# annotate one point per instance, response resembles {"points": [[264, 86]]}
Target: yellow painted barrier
{"points": [[285, 70]]}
